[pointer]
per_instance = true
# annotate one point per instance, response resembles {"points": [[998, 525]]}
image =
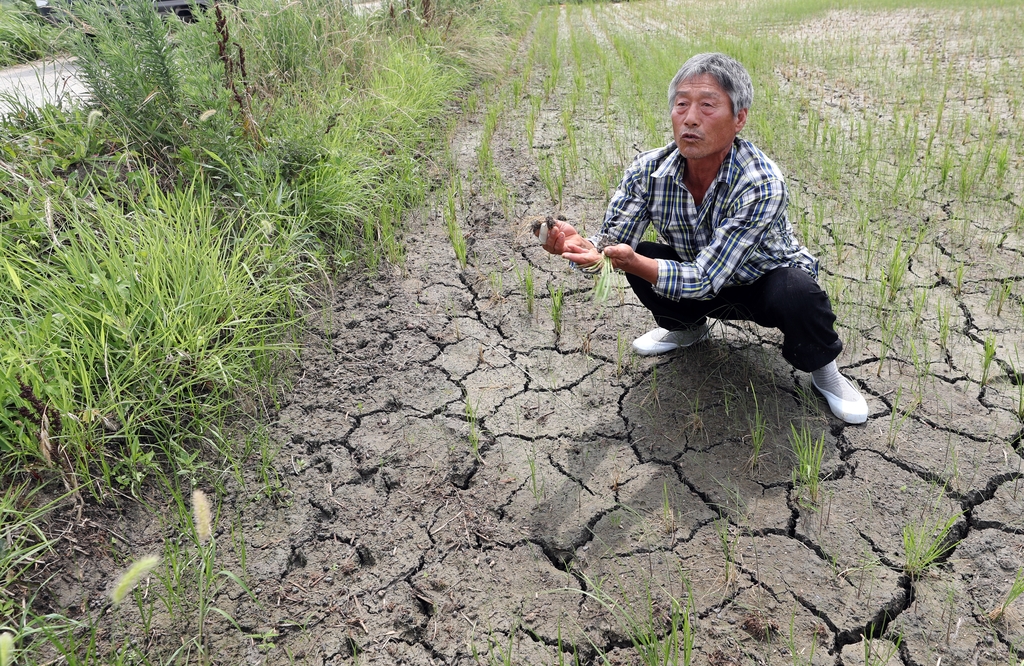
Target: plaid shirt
{"points": [[737, 234]]}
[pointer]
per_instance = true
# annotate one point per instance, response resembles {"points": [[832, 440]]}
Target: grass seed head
{"points": [[6, 649], [132, 577], [202, 516]]}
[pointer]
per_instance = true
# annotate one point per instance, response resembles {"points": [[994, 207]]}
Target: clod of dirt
{"points": [[763, 629], [540, 226], [719, 658]]}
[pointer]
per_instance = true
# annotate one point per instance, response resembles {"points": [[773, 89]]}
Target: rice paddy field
{"points": [[465, 463]]}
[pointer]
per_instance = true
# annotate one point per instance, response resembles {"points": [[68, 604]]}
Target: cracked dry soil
{"points": [[423, 531], [458, 474]]}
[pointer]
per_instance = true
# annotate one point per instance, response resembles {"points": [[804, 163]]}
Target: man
{"points": [[719, 205]]}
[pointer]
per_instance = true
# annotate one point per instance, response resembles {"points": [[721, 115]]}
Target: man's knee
{"points": [[793, 293]]}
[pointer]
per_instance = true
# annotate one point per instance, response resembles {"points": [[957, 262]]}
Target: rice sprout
{"points": [[603, 280]]}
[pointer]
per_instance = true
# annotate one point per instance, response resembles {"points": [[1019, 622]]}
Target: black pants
{"points": [[786, 298]]}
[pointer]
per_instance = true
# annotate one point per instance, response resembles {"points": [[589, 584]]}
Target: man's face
{"points": [[702, 120]]}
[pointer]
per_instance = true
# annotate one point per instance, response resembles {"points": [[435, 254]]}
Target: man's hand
{"points": [[581, 252], [562, 236]]}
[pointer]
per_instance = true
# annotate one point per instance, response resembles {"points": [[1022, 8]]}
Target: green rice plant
{"points": [[758, 430], [988, 355], [498, 653], [621, 349], [660, 637], [927, 541], [604, 279], [668, 514], [897, 418], [1017, 372], [474, 430], [896, 272], [1015, 591], [552, 177], [455, 235], [536, 486], [557, 295], [943, 318], [877, 654], [525, 278], [727, 542], [485, 158], [1000, 295], [796, 653], [809, 453]]}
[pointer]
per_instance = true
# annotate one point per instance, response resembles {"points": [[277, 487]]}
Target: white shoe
{"points": [[850, 406], [662, 341]]}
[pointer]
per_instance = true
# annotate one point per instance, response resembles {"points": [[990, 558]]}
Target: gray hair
{"points": [[729, 73]]}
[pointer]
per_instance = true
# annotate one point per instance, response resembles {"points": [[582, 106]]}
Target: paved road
{"points": [[40, 82]]}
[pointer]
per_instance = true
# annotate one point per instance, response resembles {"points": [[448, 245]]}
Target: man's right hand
{"points": [[557, 237], [561, 236]]}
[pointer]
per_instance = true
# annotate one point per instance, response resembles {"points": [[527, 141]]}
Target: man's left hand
{"points": [[625, 259]]}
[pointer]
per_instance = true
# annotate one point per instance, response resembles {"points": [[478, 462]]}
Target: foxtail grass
{"points": [[130, 578]]}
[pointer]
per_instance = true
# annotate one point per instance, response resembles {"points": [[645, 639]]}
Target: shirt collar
{"points": [[673, 166]]}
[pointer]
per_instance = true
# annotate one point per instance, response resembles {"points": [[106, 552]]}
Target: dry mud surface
{"points": [[422, 531], [462, 482]]}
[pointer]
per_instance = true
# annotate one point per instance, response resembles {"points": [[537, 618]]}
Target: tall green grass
{"points": [[24, 35], [133, 329]]}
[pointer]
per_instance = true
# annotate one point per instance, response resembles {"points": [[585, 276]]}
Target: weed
{"points": [[130, 578], [6, 648]]}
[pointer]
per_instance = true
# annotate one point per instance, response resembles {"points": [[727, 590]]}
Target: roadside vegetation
{"points": [[25, 35]]}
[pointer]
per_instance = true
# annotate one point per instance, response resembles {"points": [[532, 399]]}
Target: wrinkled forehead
{"points": [[704, 85]]}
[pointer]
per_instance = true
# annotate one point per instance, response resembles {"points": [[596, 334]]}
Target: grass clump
{"points": [[926, 542], [809, 453], [24, 35]]}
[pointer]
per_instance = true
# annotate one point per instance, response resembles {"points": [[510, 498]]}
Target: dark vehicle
{"points": [[180, 8]]}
